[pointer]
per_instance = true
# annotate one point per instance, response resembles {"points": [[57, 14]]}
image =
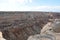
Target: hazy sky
{"points": [[30, 5]]}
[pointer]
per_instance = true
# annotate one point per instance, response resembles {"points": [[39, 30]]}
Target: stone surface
{"points": [[42, 37], [51, 31], [1, 36]]}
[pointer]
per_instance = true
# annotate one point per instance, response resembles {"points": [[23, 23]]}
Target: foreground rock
{"points": [[1, 36], [42, 37], [51, 31]]}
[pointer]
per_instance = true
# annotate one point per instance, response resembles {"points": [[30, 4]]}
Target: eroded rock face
{"points": [[1, 36], [42, 37], [53, 30], [21, 29], [20, 33], [46, 27], [21, 26]]}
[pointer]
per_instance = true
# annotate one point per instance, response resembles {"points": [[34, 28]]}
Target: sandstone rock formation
{"points": [[1, 36], [46, 27], [42, 37]]}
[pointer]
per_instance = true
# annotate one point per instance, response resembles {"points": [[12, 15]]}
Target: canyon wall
{"points": [[20, 25]]}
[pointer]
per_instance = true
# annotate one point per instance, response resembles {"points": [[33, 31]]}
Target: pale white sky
{"points": [[29, 5]]}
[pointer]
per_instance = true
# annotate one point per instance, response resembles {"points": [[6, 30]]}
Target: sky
{"points": [[30, 5]]}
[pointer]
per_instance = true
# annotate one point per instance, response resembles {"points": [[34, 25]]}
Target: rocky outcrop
{"points": [[1, 36], [42, 37]]}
